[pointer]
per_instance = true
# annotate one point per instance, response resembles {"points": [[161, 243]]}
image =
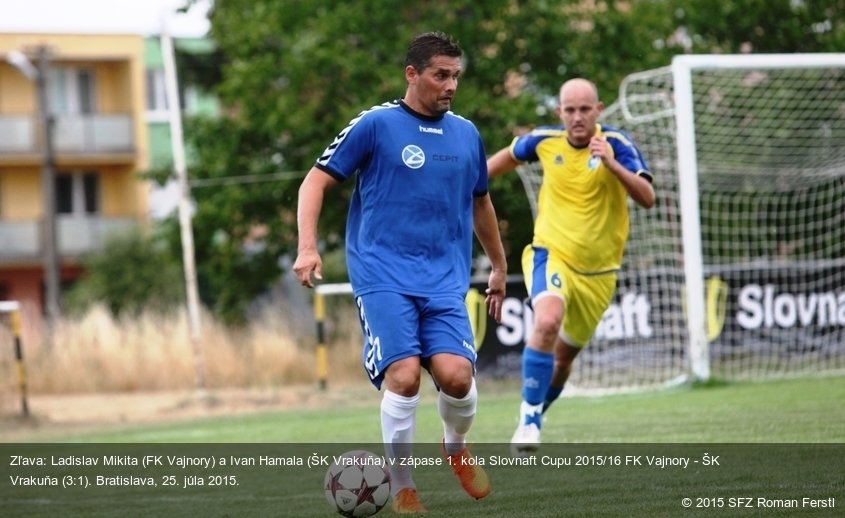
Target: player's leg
{"points": [[398, 427], [446, 336], [591, 294], [457, 399], [547, 289], [391, 358], [564, 357]]}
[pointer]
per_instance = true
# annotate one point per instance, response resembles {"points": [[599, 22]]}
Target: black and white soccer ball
{"points": [[357, 483]]}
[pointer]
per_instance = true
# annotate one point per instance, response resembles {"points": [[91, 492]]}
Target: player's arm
{"points": [[638, 186], [486, 228], [311, 192], [501, 162]]}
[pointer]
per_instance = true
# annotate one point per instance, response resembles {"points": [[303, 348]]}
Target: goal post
{"points": [[747, 65], [738, 272]]}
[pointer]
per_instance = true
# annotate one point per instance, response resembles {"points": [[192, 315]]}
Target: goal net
{"points": [[738, 272]]}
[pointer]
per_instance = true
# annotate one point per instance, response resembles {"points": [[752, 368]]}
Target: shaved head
{"points": [[579, 110], [582, 88]]}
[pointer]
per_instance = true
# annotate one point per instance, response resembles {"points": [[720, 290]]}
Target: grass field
{"points": [[777, 442]]}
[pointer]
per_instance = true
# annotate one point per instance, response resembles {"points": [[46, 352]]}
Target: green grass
{"points": [[798, 410], [779, 440]]}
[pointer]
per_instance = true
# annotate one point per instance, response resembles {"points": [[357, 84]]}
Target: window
{"points": [[156, 94], [64, 194], [91, 192], [71, 90], [78, 193]]}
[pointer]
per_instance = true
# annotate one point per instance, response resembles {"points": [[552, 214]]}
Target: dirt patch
{"points": [[50, 415]]}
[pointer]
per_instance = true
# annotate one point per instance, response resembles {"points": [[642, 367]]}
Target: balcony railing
{"points": [[72, 134], [76, 235]]}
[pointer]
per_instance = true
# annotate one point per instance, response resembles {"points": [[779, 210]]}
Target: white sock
{"points": [[398, 423], [457, 415], [531, 414]]}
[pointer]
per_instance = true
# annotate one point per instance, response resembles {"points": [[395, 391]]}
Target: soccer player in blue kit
{"points": [[420, 176]]}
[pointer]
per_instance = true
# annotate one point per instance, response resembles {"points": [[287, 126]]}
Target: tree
{"points": [[294, 73], [132, 273]]}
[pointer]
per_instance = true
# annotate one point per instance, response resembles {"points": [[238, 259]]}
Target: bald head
{"points": [[581, 88], [579, 110]]}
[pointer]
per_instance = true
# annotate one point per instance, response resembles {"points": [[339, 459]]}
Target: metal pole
{"points": [[16, 329], [187, 234], [48, 189], [322, 352]]}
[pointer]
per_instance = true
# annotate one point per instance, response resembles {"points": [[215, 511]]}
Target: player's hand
{"points": [[495, 293], [308, 266], [598, 147]]}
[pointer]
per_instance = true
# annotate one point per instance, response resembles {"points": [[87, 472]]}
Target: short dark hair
{"points": [[428, 45]]}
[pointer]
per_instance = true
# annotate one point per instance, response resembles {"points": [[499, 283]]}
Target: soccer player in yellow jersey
{"points": [[589, 170]]}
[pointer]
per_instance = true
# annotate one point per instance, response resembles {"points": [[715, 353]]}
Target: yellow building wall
{"points": [[20, 195], [118, 62], [119, 196], [17, 96]]}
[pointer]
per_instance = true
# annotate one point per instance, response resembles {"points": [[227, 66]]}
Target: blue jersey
{"points": [[409, 228]]}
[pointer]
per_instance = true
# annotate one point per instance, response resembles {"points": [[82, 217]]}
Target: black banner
{"points": [[784, 313]]}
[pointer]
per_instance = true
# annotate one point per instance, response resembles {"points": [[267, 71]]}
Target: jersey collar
{"points": [[417, 114]]}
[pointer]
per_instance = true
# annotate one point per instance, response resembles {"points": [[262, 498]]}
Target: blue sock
{"points": [[537, 368], [551, 395]]}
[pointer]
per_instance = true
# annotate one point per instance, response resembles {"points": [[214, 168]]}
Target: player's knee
{"points": [[403, 379], [458, 386], [547, 326], [456, 381]]}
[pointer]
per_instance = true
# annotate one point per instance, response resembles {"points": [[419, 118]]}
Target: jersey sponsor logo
{"points": [[426, 129], [413, 156]]}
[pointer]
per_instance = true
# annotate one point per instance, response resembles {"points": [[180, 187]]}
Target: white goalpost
{"points": [[739, 271]]}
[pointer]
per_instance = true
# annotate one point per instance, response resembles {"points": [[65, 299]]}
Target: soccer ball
{"points": [[357, 484]]}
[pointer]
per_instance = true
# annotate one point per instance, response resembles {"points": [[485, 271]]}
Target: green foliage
{"points": [[294, 73], [763, 25], [132, 273]]}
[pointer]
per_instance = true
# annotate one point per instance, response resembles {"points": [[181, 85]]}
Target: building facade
{"points": [[95, 86]]}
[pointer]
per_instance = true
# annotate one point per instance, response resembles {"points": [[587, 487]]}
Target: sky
{"points": [[103, 17]]}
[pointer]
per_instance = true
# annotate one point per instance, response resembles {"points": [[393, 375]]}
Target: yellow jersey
{"points": [[582, 207]]}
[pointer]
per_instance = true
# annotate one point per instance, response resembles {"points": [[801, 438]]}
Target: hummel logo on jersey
{"points": [[558, 160], [470, 347], [413, 156], [424, 129]]}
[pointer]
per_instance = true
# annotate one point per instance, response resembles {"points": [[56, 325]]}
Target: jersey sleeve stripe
{"points": [[338, 140]]}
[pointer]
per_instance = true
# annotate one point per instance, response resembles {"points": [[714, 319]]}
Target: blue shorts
{"points": [[397, 326]]}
